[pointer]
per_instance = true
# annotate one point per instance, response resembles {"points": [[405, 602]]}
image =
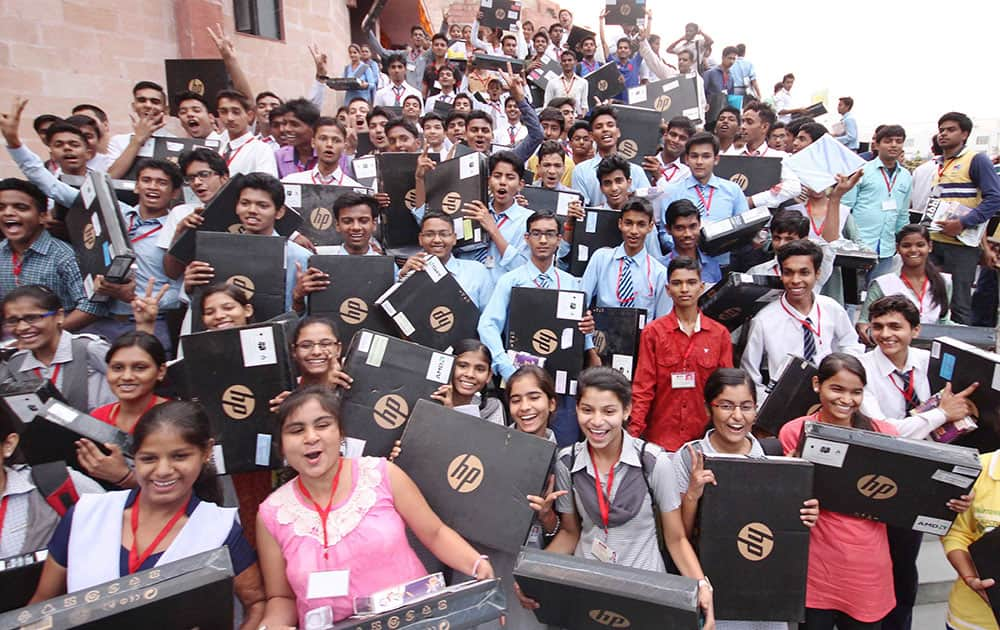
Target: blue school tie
{"points": [[626, 293], [808, 341]]}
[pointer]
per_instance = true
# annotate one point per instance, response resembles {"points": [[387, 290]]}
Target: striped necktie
{"points": [[808, 341], [626, 293], [909, 392], [543, 281]]}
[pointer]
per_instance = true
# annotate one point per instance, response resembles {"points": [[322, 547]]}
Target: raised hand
{"points": [[146, 307], [700, 476], [11, 121], [222, 41]]}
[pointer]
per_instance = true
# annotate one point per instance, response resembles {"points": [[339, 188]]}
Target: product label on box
{"points": [[567, 339], [572, 387], [435, 269], [691, 112], [365, 168], [263, 455], [405, 326], [824, 452], [175, 147], [622, 363], [968, 472], [439, 369], [293, 195], [637, 93], [95, 220], [570, 306], [387, 306], [365, 342], [561, 376], [62, 413], [956, 480], [353, 447], [324, 584], [931, 525], [935, 350], [258, 347], [25, 406], [669, 87], [377, 351], [219, 459], [582, 253], [591, 226], [468, 166], [947, 366], [562, 203], [996, 377]]}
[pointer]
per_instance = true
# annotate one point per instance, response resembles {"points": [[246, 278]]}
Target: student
{"points": [[727, 129], [799, 323], [479, 130], [437, 238], [149, 103], [358, 69], [756, 123], [919, 280], [355, 217], [377, 119], [787, 226], [171, 515], [550, 166], [402, 136], [447, 77], [392, 94], [316, 348], [682, 221], [299, 155], [589, 61], [849, 563], [677, 353], [437, 142], [627, 275], [629, 61], [412, 107], [531, 403], [225, 306], [242, 151], [92, 135], [581, 143], [553, 127], [454, 127], [470, 378], [193, 112], [715, 198], [328, 140], [268, 129], [101, 116], [625, 533], [668, 165], [569, 84], [511, 130], [30, 255], [605, 133], [309, 434]]}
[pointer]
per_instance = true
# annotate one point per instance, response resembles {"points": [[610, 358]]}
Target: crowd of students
{"points": [[687, 398]]}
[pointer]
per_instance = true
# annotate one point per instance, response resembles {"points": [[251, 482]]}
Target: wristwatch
{"points": [[704, 582]]}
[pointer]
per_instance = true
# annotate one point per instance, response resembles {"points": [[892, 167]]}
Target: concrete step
{"points": [[936, 573], [929, 616]]}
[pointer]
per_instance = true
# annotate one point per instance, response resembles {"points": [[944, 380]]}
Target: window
{"points": [[258, 17], [982, 140]]}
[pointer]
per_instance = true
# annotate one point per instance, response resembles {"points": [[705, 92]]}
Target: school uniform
{"points": [[474, 279], [894, 284], [246, 154], [585, 180], [512, 224], [610, 272], [393, 95], [669, 173], [788, 188], [314, 176], [772, 268], [287, 159], [717, 200]]}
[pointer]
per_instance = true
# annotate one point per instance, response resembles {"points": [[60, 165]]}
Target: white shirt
{"points": [[576, 88], [171, 221], [247, 154], [495, 109], [336, 178], [920, 191], [884, 395], [117, 143], [100, 163], [788, 188], [776, 331], [783, 100], [771, 267], [670, 173], [387, 96], [440, 96], [501, 134]]}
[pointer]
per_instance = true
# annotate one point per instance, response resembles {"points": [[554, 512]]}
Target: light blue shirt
{"points": [[877, 226], [294, 253], [338, 250], [711, 272], [474, 279], [585, 181], [148, 260], [726, 200], [36, 173], [512, 228], [649, 280], [493, 321], [850, 137], [743, 74]]}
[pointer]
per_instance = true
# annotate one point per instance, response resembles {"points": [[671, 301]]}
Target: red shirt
{"points": [[664, 415]]}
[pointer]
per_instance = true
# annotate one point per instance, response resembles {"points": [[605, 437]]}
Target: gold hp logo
{"points": [[243, 283], [410, 199], [625, 9], [600, 341], [602, 85], [321, 218], [740, 180], [501, 14], [236, 228], [755, 541], [89, 237], [662, 102], [629, 148], [877, 487], [390, 411], [609, 618], [451, 203], [465, 473], [238, 402], [442, 319], [353, 310], [393, 622], [150, 593], [197, 86], [544, 341]]}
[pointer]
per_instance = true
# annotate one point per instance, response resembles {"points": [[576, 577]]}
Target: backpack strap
{"points": [[54, 483]]}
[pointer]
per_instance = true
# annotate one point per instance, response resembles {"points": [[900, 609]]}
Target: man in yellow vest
{"points": [[968, 179]]}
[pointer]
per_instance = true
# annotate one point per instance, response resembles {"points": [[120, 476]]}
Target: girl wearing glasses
{"points": [[75, 364], [316, 350]]}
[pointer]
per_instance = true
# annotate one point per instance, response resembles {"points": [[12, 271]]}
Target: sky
{"points": [[898, 74]]}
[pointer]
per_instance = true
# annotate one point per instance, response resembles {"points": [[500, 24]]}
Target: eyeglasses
{"points": [[442, 234], [539, 234], [325, 344], [748, 408], [31, 319], [190, 179]]}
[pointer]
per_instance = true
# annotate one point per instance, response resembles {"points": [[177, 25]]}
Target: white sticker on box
{"points": [[293, 195], [405, 326], [326, 584], [622, 363], [936, 350], [669, 87], [377, 351], [637, 94], [146, 150], [24, 406], [387, 306], [457, 225], [486, 4], [562, 203], [258, 347], [353, 447], [561, 381], [551, 76], [439, 369], [63, 413], [88, 285], [963, 470], [956, 480], [468, 166], [95, 220], [175, 147], [824, 452], [691, 113], [931, 525], [88, 192], [570, 306], [715, 228], [477, 235], [512, 15], [365, 168], [582, 253], [996, 377], [365, 342], [591, 222], [567, 339], [263, 455], [434, 268], [642, 321], [219, 459], [572, 387]]}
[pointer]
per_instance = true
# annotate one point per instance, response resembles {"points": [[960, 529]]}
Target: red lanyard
{"points": [[569, 86], [512, 131], [817, 230], [113, 415], [320, 180], [501, 219], [398, 90], [18, 263], [55, 373], [604, 504], [663, 171], [707, 204], [944, 166], [908, 393], [889, 183], [233, 155], [131, 221], [3, 512], [819, 317], [920, 295], [323, 512], [135, 560]]}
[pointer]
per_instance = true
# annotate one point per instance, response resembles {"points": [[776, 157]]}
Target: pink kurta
{"points": [[849, 565], [366, 536]]}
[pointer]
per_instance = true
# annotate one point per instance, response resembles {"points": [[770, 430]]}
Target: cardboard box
{"points": [[50, 435], [790, 395], [451, 185], [605, 83], [395, 174], [739, 297], [19, 578], [234, 373], [202, 76], [462, 466], [557, 202], [497, 62], [195, 592], [592, 595], [543, 323], [640, 132], [901, 482], [314, 203], [718, 237], [390, 376], [962, 364], [550, 70], [500, 14], [625, 12], [985, 554], [399, 595], [356, 282], [752, 542], [598, 229], [676, 96], [982, 337], [617, 336], [429, 307], [464, 605], [751, 174]]}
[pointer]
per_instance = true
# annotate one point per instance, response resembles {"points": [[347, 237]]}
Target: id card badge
{"points": [[325, 584], [682, 380], [889, 204], [490, 263], [602, 552]]}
